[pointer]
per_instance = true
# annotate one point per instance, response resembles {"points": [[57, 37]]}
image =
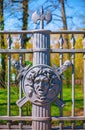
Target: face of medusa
{"points": [[41, 85]]}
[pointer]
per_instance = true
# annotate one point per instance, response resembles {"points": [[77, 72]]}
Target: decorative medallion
{"points": [[41, 84]]}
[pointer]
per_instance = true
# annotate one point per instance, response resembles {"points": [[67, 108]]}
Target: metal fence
{"points": [[20, 119]]}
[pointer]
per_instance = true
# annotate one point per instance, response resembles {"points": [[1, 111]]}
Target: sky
{"points": [[75, 8]]}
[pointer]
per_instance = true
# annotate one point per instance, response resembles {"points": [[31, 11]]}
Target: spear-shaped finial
{"points": [[47, 17]]}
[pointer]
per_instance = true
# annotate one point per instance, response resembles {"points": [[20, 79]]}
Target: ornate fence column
{"points": [[41, 55], [41, 47]]}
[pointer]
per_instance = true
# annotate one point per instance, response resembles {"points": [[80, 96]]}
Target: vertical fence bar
{"points": [[61, 62], [61, 125], [20, 83], [73, 76], [9, 68], [73, 125], [83, 42], [41, 21]]}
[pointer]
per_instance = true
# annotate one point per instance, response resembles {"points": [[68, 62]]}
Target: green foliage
{"points": [[68, 76], [79, 59], [67, 97], [28, 63]]}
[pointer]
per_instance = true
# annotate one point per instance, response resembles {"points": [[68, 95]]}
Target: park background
{"points": [[16, 15]]}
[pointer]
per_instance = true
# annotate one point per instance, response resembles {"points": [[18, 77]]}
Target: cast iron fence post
{"points": [[41, 55]]}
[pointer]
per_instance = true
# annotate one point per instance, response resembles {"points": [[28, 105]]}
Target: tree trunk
{"points": [[64, 23], [25, 22], [25, 19], [65, 37], [63, 14], [3, 70]]}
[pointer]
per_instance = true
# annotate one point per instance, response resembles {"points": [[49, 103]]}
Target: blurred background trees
{"points": [[16, 15]]}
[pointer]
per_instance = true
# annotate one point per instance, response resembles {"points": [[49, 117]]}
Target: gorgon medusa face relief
{"points": [[41, 84]]}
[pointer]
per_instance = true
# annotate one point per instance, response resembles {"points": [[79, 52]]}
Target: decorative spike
{"points": [[21, 41], [22, 101], [63, 67], [60, 103], [41, 10], [62, 76], [35, 17], [55, 67], [20, 68], [42, 17], [61, 41], [9, 41], [72, 41], [83, 42], [48, 17], [17, 65]]}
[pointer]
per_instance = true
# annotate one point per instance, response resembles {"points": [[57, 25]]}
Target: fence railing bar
{"points": [[17, 32], [16, 118], [27, 127], [26, 31], [12, 51], [48, 31], [69, 118], [29, 118], [67, 51], [68, 32]]}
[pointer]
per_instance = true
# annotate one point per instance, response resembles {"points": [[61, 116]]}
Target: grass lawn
{"points": [[67, 97]]}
